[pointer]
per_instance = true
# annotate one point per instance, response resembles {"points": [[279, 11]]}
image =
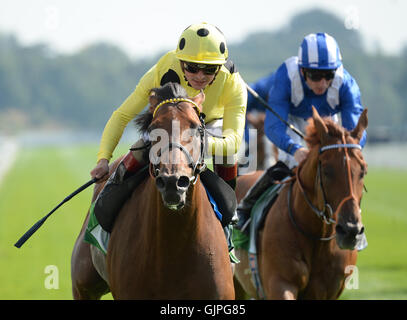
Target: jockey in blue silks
{"points": [[316, 77]]}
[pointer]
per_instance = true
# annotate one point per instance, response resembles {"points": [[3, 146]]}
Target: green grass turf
{"points": [[42, 177], [382, 266], [39, 180]]}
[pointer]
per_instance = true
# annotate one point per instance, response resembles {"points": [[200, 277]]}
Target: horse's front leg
{"points": [[279, 289]]}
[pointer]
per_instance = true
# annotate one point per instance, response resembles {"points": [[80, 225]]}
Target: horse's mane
{"points": [[168, 91], [334, 130]]}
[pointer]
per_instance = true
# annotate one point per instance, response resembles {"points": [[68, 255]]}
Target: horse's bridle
{"points": [[198, 166], [326, 214]]}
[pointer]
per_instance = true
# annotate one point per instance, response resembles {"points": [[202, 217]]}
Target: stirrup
{"points": [[243, 220], [244, 228]]}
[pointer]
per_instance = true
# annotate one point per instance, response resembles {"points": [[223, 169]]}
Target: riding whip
{"points": [[36, 226], [265, 104]]}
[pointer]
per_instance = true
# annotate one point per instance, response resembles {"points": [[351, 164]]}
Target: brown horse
{"points": [[167, 242], [306, 248]]}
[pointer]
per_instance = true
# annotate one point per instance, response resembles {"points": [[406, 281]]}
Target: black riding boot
{"points": [[275, 173]]}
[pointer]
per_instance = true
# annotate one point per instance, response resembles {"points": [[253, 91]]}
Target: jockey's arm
{"points": [[351, 107], [275, 129], [132, 106], [234, 99]]}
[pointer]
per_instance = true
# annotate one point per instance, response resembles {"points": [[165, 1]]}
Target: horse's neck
{"points": [[189, 231], [308, 177]]}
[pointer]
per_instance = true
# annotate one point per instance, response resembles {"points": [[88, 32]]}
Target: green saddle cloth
{"points": [[258, 214], [94, 233]]}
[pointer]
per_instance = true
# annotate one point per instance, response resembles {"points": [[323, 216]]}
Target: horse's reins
{"points": [[326, 214], [199, 165]]}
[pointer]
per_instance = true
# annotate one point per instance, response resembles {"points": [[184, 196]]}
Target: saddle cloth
{"points": [[258, 215]]}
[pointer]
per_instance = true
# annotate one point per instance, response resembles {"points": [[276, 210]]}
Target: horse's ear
{"points": [[357, 133], [153, 100], [319, 124], [199, 99]]}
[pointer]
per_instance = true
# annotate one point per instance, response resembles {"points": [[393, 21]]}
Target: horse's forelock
{"points": [[334, 130], [168, 91]]}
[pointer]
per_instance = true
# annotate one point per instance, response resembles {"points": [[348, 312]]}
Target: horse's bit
{"points": [[326, 214]]}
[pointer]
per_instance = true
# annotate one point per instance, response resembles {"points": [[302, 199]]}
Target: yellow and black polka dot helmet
{"points": [[202, 43]]}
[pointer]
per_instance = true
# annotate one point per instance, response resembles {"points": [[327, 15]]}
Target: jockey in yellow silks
{"points": [[200, 62]]}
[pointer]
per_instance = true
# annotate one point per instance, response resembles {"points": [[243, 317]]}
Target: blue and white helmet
{"points": [[319, 51]]}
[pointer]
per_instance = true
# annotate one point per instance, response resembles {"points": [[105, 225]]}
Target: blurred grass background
{"points": [[42, 177], [382, 266], [39, 180]]}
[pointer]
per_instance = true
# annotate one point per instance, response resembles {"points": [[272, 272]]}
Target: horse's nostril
{"points": [[183, 182], [160, 183], [339, 229], [349, 230]]}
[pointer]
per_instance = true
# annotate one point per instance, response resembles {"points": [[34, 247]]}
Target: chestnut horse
{"points": [[306, 248], [167, 242]]}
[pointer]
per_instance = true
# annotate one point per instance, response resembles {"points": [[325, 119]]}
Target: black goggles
{"points": [[207, 69], [317, 75]]}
